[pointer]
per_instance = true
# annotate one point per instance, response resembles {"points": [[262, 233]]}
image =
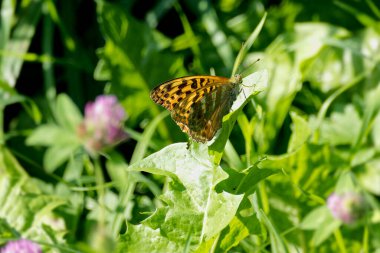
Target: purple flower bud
{"points": [[21, 246], [103, 124], [347, 207]]}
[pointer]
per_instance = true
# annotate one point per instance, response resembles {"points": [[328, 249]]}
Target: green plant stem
{"points": [[99, 178], [190, 35], [264, 197], [365, 239], [340, 242], [47, 66], [125, 196], [374, 8], [247, 133], [247, 45]]}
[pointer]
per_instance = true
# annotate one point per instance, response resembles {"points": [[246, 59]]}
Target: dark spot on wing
{"points": [[181, 86]]}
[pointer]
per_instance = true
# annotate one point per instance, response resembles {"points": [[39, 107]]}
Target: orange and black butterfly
{"points": [[198, 103]]}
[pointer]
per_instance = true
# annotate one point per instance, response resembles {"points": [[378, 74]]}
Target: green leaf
{"points": [[310, 37], [206, 246], [322, 222], [277, 98], [331, 68], [58, 154], [7, 232], [362, 156], [346, 183], [362, 17], [50, 135], [276, 239], [67, 114], [248, 44], [140, 238], [300, 132], [369, 176], [315, 218], [334, 129], [231, 157], [191, 199], [245, 182], [61, 143], [372, 106], [8, 96], [238, 229], [9, 164], [376, 132], [8, 8], [22, 34]]}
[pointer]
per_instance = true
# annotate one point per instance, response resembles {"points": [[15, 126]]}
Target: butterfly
{"points": [[198, 103]]}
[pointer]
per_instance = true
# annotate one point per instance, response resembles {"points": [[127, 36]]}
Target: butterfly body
{"points": [[198, 103]]}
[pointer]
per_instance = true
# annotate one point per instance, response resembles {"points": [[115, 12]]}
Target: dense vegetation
{"points": [[294, 168]]}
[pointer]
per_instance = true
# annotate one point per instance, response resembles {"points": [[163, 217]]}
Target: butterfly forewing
{"points": [[170, 93], [198, 103]]}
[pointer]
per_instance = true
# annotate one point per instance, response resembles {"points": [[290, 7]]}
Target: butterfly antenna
{"points": [[247, 70], [250, 66]]}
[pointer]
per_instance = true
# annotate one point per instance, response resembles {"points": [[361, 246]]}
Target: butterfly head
{"points": [[236, 79]]}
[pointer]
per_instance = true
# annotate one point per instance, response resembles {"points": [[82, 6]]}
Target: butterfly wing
{"points": [[201, 113], [197, 103], [170, 93]]}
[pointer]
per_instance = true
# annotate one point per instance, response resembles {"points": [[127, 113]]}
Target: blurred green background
{"points": [[317, 123]]}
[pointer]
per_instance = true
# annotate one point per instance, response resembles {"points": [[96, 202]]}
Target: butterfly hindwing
{"points": [[200, 114], [198, 103]]}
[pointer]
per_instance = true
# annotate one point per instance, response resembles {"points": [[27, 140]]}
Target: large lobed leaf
{"points": [[194, 211]]}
